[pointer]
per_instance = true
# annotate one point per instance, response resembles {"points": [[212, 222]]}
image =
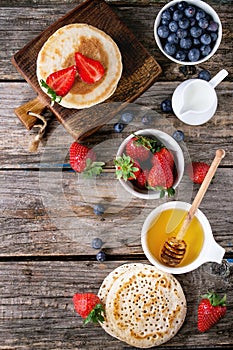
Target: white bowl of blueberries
{"points": [[188, 32]]}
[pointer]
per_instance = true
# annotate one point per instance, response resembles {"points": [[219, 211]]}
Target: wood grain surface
{"points": [[46, 210]]}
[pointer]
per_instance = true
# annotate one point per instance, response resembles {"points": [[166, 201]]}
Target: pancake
{"points": [[144, 307], [105, 288], [58, 53]]}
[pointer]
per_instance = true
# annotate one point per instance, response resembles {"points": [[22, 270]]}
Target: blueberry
{"points": [[205, 39], [200, 14], [192, 21], [213, 26], [98, 209], [96, 243], [194, 55], [146, 119], [166, 14], [127, 117], [178, 135], [204, 74], [205, 50], [181, 55], [196, 42], [165, 21], [170, 49], [173, 26], [118, 127], [185, 43], [181, 33], [190, 11], [163, 31], [166, 106], [195, 31], [184, 23], [173, 38], [101, 256], [182, 5], [203, 23], [177, 15], [214, 36]]}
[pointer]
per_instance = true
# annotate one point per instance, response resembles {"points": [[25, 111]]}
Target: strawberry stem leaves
{"points": [[215, 299], [96, 315], [51, 93], [92, 168], [125, 168]]}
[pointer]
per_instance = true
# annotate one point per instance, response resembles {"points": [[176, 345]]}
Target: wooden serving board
{"points": [[140, 70]]}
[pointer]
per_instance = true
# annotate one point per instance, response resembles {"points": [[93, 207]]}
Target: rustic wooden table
{"points": [[47, 219]]}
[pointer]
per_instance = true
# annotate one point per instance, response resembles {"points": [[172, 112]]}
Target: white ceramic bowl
{"points": [[208, 9], [210, 251], [172, 145]]}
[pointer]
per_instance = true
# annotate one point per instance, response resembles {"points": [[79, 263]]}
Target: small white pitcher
{"points": [[195, 101]]}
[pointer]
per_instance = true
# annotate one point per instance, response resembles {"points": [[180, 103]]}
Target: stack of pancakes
{"points": [[58, 53], [144, 306]]}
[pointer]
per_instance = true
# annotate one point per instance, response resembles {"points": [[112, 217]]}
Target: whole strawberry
{"points": [[82, 160], [89, 307], [164, 153], [210, 310], [141, 181], [197, 171], [126, 168], [139, 148]]}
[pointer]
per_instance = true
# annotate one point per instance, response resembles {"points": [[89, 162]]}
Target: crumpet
{"points": [[58, 53]]}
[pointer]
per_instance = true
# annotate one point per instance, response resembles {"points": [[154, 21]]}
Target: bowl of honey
{"points": [[164, 222]]}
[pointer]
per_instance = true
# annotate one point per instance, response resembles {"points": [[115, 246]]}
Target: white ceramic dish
{"points": [[208, 9], [211, 251], [172, 145]]}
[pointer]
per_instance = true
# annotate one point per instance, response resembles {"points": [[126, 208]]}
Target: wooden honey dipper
{"points": [[173, 250]]}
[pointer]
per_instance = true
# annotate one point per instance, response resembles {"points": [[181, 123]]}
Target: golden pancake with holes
{"points": [[144, 307], [58, 53]]}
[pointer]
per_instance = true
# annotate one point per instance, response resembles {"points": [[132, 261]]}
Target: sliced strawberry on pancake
{"points": [[89, 70], [62, 80]]}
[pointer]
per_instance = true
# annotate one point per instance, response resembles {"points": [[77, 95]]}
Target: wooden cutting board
{"points": [[140, 70]]}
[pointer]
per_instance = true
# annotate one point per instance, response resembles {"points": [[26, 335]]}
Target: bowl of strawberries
{"points": [[149, 164]]}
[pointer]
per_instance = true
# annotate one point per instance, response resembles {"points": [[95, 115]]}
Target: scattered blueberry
{"points": [[166, 106], [101, 256], [98, 209], [118, 127], [204, 74], [178, 135], [96, 243], [146, 119], [127, 117]]}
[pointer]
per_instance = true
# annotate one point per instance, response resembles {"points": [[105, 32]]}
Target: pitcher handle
{"points": [[218, 78]]}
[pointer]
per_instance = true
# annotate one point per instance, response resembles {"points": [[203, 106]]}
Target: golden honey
{"points": [[167, 224]]}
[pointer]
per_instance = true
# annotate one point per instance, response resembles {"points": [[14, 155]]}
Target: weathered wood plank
{"points": [[38, 16], [36, 309], [51, 213], [200, 141]]}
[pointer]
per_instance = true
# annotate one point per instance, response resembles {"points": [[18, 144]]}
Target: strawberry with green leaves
{"points": [[141, 147], [59, 83], [126, 168], [211, 309], [89, 307], [197, 171], [89, 70], [164, 153], [83, 160]]}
